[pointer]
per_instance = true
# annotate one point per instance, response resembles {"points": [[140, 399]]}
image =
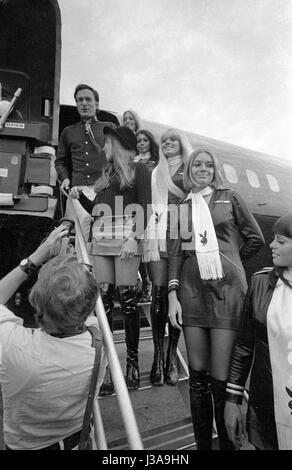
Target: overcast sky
{"points": [[219, 68]]}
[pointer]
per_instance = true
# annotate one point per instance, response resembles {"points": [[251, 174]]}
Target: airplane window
{"points": [[273, 183], [230, 173], [252, 178]]}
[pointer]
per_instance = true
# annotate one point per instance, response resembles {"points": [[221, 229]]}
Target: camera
{"points": [[64, 246], [68, 223]]}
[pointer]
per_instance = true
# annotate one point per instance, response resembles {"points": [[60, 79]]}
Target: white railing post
{"points": [[121, 390]]}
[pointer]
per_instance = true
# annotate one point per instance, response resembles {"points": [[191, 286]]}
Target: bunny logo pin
{"points": [[204, 240]]}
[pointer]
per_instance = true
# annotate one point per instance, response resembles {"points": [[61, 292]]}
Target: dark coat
{"points": [[139, 193], [214, 303], [251, 345]]}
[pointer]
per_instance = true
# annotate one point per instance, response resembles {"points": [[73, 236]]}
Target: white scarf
{"points": [[142, 158], [279, 325], [206, 244], [155, 233], [172, 161]]}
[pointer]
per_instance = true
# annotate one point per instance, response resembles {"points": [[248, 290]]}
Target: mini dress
{"points": [[215, 303]]}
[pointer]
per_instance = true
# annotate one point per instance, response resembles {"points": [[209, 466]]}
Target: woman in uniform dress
{"points": [[207, 285], [167, 190], [147, 149], [132, 120]]}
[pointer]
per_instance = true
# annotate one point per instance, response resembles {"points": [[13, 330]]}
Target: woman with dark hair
{"points": [[207, 285], [167, 190], [132, 120], [148, 150], [147, 153], [123, 193], [263, 346]]}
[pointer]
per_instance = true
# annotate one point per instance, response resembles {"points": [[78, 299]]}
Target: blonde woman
{"points": [[167, 189], [207, 285], [132, 120], [122, 190]]}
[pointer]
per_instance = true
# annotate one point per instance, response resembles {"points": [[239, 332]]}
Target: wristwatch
{"points": [[28, 267]]}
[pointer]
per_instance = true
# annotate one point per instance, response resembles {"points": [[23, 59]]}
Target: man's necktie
{"points": [[87, 125]]}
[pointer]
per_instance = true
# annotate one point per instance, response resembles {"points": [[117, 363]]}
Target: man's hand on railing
{"points": [[65, 186], [75, 192]]}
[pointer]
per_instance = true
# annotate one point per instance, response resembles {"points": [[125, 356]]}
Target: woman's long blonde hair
{"points": [[162, 174], [122, 164], [137, 119]]}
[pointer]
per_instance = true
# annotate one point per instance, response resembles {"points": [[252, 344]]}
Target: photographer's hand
{"points": [[42, 253], [10, 283]]}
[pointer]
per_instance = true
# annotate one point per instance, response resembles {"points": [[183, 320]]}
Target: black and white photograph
{"points": [[145, 227]]}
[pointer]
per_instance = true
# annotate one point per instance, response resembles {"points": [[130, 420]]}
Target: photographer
{"points": [[45, 373]]}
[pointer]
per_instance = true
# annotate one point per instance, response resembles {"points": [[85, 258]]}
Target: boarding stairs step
{"points": [[146, 384], [178, 435], [145, 381], [145, 334], [144, 312]]}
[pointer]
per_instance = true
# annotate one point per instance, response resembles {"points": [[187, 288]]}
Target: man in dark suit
{"points": [[80, 155]]}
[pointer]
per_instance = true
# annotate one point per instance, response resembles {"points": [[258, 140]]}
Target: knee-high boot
{"points": [[108, 303], [128, 299], [171, 369], [201, 408], [145, 295], [107, 387], [218, 388], [158, 314]]}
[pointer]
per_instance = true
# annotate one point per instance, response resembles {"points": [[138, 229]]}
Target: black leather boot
{"points": [[201, 408], [158, 314], [218, 388], [171, 369], [128, 299], [145, 295], [107, 295]]}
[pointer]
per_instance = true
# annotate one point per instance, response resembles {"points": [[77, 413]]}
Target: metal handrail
{"points": [[126, 409], [246, 396]]}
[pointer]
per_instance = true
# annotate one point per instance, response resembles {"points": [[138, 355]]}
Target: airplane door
{"points": [[30, 56]]}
